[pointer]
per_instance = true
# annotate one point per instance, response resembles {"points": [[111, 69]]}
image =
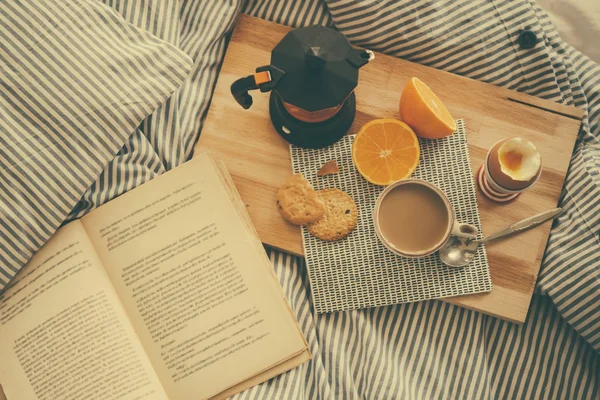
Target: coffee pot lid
{"points": [[320, 67]]}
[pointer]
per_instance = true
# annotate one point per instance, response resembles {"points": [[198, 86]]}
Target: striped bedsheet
{"points": [[426, 350]]}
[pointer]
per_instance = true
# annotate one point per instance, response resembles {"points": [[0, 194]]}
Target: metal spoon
{"points": [[460, 251]]}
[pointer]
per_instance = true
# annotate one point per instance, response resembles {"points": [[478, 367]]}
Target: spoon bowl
{"points": [[458, 251]]}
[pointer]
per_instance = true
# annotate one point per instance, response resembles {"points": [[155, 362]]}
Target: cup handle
{"points": [[464, 230]]}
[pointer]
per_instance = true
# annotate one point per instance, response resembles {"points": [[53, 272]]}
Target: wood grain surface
{"points": [[259, 160]]}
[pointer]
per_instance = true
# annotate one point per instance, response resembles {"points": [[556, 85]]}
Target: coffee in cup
{"points": [[414, 218]]}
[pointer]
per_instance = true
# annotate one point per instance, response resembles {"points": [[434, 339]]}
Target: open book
{"points": [[163, 293]]}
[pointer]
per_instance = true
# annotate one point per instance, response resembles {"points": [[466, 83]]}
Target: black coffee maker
{"points": [[312, 77]]}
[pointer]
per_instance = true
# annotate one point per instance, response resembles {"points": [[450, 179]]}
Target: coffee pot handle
{"points": [[265, 79]]}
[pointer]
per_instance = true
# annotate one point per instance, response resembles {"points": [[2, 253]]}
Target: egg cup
{"points": [[499, 191]]}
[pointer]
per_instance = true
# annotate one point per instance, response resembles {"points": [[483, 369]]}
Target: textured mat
{"points": [[359, 271]]}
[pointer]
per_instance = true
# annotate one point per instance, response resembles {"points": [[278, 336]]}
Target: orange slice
{"points": [[385, 151], [424, 112]]}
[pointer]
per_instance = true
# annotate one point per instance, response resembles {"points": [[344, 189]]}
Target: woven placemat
{"points": [[359, 271]]}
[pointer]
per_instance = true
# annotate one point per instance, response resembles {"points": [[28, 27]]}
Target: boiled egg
{"points": [[519, 159]]}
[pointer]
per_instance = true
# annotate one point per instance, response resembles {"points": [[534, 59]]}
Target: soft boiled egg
{"points": [[519, 159]]}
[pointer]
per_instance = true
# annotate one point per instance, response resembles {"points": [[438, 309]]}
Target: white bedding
{"points": [[577, 22]]}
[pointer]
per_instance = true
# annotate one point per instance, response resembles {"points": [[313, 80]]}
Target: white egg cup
{"points": [[492, 189]]}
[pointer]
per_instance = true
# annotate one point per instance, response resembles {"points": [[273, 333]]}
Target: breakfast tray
{"points": [[359, 271], [259, 159]]}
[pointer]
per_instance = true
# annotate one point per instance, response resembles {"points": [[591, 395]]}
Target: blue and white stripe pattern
{"points": [[427, 350], [75, 82]]}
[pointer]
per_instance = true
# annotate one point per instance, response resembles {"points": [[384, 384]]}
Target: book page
{"points": [[64, 333], [288, 364], [193, 283]]}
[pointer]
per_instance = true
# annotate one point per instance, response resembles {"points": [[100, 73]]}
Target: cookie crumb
{"points": [[329, 168]]}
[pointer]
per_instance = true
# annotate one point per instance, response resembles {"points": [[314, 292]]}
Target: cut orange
{"points": [[424, 112], [385, 151]]}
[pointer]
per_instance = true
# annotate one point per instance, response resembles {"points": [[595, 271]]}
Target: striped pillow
{"points": [[76, 80]]}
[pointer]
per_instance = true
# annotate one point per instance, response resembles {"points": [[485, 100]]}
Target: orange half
{"points": [[385, 151], [423, 111]]}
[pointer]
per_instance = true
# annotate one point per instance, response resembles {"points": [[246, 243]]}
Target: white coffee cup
{"points": [[451, 226]]}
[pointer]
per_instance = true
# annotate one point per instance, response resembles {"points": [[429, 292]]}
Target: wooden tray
{"points": [[259, 160]]}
